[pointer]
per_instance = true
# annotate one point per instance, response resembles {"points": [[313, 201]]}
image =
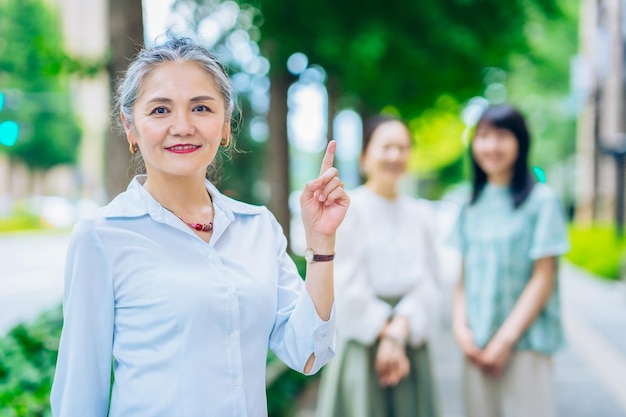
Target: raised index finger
{"points": [[329, 156]]}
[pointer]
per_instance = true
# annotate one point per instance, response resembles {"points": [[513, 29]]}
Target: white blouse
{"points": [[187, 324], [385, 248]]}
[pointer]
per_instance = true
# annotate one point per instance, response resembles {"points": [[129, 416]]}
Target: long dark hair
{"points": [[505, 116]]}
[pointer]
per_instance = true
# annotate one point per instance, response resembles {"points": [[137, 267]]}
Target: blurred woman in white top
{"points": [[386, 294]]}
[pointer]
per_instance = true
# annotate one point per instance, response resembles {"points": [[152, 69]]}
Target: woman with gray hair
{"points": [[176, 289]]}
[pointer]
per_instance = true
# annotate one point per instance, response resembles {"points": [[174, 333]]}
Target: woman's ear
{"points": [[227, 130], [128, 129]]}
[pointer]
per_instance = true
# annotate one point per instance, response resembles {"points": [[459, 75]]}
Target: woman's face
{"points": [[179, 120], [495, 151], [386, 157]]}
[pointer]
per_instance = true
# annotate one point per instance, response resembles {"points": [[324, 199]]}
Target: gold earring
{"points": [[132, 148], [225, 142]]}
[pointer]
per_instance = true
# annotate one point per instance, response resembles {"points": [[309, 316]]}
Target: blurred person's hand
{"points": [[391, 362], [465, 339], [495, 357]]}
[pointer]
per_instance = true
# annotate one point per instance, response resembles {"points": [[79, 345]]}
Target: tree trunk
{"points": [[126, 38], [278, 155], [332, 91]]}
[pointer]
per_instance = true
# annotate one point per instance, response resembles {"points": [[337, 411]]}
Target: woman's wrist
{"points": [[320, 243], [505, 338], [395, 339], [396, 331]]}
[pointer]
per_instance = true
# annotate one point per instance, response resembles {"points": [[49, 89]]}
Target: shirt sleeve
{"points": [[550, 232], [83, 370], [422, 304], [361, 315], [298, 330]]}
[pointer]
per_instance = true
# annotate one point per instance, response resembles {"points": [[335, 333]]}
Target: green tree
{"points": [[401, 54], [33, 77], [538, 82], [126, 39]]}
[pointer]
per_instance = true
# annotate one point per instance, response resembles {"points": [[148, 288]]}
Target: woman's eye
{"points": [[159, 110], [201, 108]]}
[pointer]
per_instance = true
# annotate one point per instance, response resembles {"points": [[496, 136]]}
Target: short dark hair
{"points": [[372, 123], [505, 116]]}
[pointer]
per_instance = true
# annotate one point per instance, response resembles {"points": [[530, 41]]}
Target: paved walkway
{"points": [[590, 373], [31, 275]]}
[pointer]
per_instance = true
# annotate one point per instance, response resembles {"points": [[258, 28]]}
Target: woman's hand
{"points": [[324, 202], [495, 357], [465, 339], [392, 363]]}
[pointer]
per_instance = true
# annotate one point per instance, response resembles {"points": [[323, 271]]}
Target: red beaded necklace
{"points": [[200, 227]]}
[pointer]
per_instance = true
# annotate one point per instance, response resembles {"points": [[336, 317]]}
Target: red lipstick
{"points": [[183, 148]]}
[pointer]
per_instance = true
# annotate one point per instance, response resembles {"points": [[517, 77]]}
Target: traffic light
{"points": [[9, 130], [540, 174]]}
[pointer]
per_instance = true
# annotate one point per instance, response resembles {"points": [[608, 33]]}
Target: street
{"points": [[31, 275]]}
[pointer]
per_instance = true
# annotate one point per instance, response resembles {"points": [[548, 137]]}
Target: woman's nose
{"points": [[395, 152], [489, 143], [182, 125]]}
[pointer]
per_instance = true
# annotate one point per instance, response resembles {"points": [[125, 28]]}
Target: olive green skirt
{"points": [[349, 385]]}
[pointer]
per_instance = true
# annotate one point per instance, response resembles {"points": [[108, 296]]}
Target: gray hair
{"points": [[130, 85]]}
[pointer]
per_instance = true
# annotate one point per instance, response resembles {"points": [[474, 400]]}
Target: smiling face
{"points": [[386, 156], [179, 120], [495, 150]]}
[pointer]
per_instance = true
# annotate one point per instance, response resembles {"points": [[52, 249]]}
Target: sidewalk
{"points": [[590, 373], [31, 275]]}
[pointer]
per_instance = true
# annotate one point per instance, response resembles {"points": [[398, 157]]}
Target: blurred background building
{"points": [[85, 30], [599, 78]]}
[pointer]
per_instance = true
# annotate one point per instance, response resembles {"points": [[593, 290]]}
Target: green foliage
{"points": [[300, 263], [20, 221], [33, 76], [438, 132], [283, 393], [538, 82], [241, 175], [404, 54], [27, 359], [597, 249]]}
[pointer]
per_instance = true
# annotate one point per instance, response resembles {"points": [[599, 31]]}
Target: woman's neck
{"points": [[389, 191], [502, 179], [185, 196]]}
